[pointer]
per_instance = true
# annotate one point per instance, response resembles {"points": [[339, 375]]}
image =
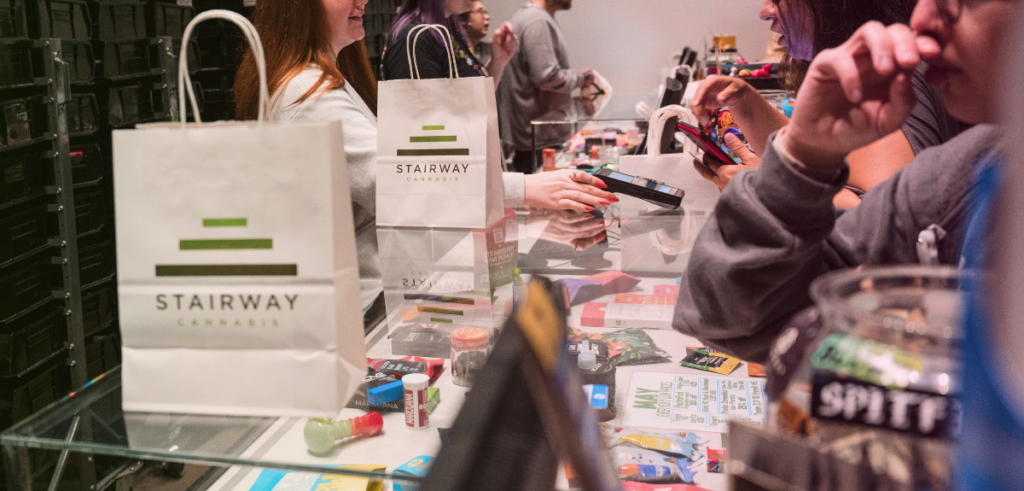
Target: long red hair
{"points": [[296, 33]]}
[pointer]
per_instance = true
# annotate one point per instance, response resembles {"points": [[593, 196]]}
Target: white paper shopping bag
{"points": [[438, 150], [237, 272], [675, 169]]}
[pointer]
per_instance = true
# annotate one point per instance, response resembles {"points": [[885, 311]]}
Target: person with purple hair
{"points": [[559, 190]]}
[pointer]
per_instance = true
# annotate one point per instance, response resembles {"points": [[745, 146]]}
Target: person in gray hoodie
{"points": [[775, 230]]}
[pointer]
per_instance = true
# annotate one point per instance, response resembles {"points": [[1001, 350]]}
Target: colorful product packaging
{"points": [[632, 298], [582, 290], [647, 466], [276, 480], [716, 460], [709, 360], [627, 315], [625, 346], [417, 467]]}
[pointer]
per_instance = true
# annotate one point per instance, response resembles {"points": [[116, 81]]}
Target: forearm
{"points": [[495, 68], [757, 119], [754, 261]]}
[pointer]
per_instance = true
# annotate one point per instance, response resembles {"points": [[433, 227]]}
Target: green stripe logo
{"points": [[224, 244], [431, 152], [227, 270], [431, 139], [225, 222]]}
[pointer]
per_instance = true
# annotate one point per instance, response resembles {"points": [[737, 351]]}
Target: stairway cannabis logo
{"points": [[224, 309], [446, 171], [225, 269]]}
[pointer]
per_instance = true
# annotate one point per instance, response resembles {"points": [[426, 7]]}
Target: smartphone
{"points": [[704, 143], [649, 190]]}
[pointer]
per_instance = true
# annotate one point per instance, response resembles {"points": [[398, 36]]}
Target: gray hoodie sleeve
{"points": [[774, 230], [537, 42]]}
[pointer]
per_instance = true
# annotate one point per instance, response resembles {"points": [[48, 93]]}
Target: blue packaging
{"points": [[416, 467], [385, 393]]}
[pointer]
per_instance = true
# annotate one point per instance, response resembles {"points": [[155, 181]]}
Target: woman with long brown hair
{"points": [[317, 69]]}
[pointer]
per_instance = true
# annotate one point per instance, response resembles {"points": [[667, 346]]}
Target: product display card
{"points": [[692, 402]]}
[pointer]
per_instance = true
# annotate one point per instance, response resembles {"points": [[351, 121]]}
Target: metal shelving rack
{"points": [[55, 143]]}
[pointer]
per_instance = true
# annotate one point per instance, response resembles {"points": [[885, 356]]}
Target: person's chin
{"points": [[962, 101]]}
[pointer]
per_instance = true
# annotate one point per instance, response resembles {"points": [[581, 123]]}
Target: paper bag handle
{"points": [[185, 81], [657, 126], [414, 67]]}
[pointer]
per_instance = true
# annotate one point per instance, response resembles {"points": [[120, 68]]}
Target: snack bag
{"points": [[646, 466], [709, 360]]}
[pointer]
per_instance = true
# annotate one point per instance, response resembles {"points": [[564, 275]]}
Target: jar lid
{"points": [[470, 338], [587, 360], [415, 381]]}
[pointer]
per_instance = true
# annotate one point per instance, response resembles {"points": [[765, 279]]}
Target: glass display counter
{"points": [[598, 114], [86, 441]]}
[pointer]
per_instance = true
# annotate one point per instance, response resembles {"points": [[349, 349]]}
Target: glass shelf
{"points": [[90, 422]]}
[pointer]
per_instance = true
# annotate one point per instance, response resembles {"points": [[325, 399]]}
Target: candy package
{"points": [[641, 465], [686, 445], [630, 346], [709, 360], [721, 124]]}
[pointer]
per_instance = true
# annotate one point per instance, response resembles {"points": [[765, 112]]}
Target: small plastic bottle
{"points": [[600, 372]]}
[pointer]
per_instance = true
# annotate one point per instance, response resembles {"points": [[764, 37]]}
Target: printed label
{"points": [[906, 411]]}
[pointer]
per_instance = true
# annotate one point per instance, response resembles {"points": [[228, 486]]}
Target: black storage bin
{"points": [[194, 58], [244, 7], [27, 283], [96, 262], [61, 19], [168, 18], [134, 104], [23, 395], [90, 211], [16, 69], [99, 307], [23, 122], [81, 61], [120, 20], [13, 19], [24, 176], [83, 115], [32, 339], [86, 164], [218, 105], [26, 229], [122, 60]]}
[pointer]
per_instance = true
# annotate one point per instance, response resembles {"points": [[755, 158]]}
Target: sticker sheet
{"points": [[693, 402]]}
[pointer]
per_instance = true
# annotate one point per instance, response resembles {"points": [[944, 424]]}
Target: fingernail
{"points": [[613, 199], [605, 202], [588, 208], [602, 185]]}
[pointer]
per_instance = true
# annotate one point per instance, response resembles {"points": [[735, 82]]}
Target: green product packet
{"points": [[433, 399], [866, 360], [631, 346]]}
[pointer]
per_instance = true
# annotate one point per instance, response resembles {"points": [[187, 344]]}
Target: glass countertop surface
{"points": [[643, 240]]}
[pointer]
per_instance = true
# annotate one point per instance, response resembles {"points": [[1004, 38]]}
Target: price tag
{"points": [[184, 3], [249, 3]]}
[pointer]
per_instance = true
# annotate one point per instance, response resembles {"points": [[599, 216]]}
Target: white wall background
{"points": [[630, 41]]}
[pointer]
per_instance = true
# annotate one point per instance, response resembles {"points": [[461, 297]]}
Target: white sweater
{"points": [[360, 133]]}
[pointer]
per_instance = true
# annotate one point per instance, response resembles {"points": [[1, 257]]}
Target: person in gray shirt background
{"points": [[537, 80]]}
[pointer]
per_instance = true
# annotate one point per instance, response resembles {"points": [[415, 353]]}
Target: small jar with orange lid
{"points": [[469, 353]]}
